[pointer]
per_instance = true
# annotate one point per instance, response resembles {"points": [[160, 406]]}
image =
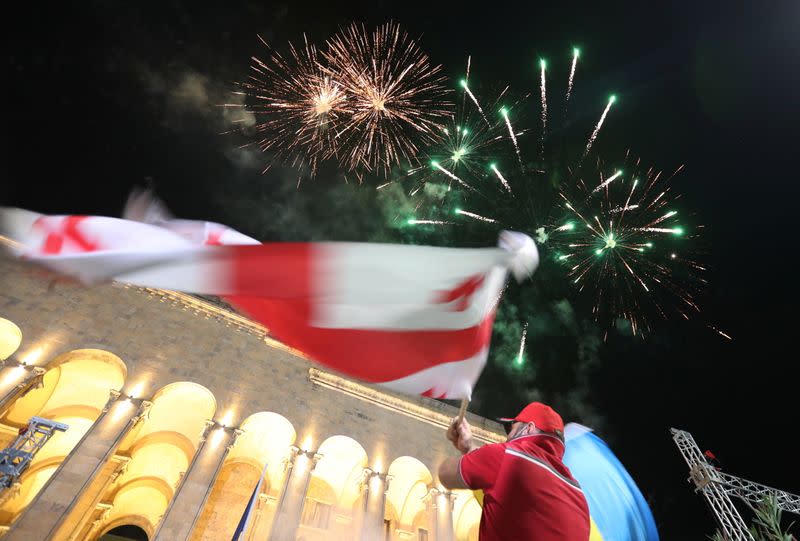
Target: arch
{"points": [[10, 338], [342, 468], [182, 407], [266, 439], [132, 532], [82, 377], [407, 489], [466, 516], [181, 441], [160, 450], [132, 520], [73, 390]]}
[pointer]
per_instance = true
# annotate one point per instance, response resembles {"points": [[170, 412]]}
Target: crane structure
{"points": [[16, 458], [718, 487]]}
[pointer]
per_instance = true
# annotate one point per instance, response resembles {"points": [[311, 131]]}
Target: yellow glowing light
{"points": [[216, 436], [121, 409], [227, 418], [13, 375], [307, 443], [301, 463], [32, 356], [137, 389]]}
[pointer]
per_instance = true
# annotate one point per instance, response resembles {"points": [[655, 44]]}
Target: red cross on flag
{"points": [[417, 319]]}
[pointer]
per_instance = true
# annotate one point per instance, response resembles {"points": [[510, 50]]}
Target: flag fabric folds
{"points": [[417, 319], [618, 510]]}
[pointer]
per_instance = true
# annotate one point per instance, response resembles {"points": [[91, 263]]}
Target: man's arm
{"points": [[460, 435], [449, 475]]}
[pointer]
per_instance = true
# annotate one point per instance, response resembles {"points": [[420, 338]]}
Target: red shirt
{"points": [[529, 494]]}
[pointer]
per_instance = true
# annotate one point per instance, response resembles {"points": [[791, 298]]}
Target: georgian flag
{"points": [[417, 319]]}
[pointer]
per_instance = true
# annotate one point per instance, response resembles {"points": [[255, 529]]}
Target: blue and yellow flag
{"points": [[619, 511]]}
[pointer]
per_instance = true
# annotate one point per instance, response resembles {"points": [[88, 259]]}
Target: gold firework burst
{"points": [[398, 98], [299, 105]]}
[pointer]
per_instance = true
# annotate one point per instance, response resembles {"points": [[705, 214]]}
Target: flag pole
{"points": [[462, 410]]}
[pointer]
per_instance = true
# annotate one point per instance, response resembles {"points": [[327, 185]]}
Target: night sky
{"points": [[96, 106]]}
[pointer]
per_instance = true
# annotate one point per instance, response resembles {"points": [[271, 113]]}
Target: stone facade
{"points": [[208, 395]]}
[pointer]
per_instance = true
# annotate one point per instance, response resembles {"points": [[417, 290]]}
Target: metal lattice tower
{"points": [[17, 457], [717, 487]]}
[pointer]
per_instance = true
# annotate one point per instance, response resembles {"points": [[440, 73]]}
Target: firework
{"points": [[599, 125], [520, 356], [543, 91], [614, 233], [575, 54], [474, 99], [299, 106], [620, 239], [462, 147], [513, 137], [397, 97]]}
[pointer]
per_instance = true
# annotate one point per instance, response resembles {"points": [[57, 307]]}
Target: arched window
{"points": [[334, 488], [406, 501], [466, 516], [266, 441], [126, 532]]}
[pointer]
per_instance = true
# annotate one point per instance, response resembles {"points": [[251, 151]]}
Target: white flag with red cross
{"points": [[417, 319]]}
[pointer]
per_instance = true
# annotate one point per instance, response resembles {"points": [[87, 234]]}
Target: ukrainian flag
{"points": [[618, 510]]}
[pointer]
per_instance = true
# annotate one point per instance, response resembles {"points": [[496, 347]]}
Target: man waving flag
{"points": [[417, 319]]}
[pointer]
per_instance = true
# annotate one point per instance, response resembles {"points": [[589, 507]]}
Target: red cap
{"points": [[543, 416]]}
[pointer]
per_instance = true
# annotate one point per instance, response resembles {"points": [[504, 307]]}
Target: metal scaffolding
{"points": [[717, 487], [15, 459]]}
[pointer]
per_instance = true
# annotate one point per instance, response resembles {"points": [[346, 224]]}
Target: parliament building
{"points": [[169, 417]]}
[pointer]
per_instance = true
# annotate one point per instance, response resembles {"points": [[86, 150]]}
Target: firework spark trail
{"points": [[522, 343], [475, 101], [617, 210], [500, 176], [606, 182], [575, 54], [429, 222], [543, 90], [719, 332], [438, 166], [569, 226], [504, 112], [627, 206], [476, 216], [673, 230], [589, 144], [670, 214]]}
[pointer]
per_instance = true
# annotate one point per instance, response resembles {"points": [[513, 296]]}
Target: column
{"points": [[443, 514], [375, 486], [290, 506], [76, 523], [196, 484], [58, 497], [15, 378]]}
